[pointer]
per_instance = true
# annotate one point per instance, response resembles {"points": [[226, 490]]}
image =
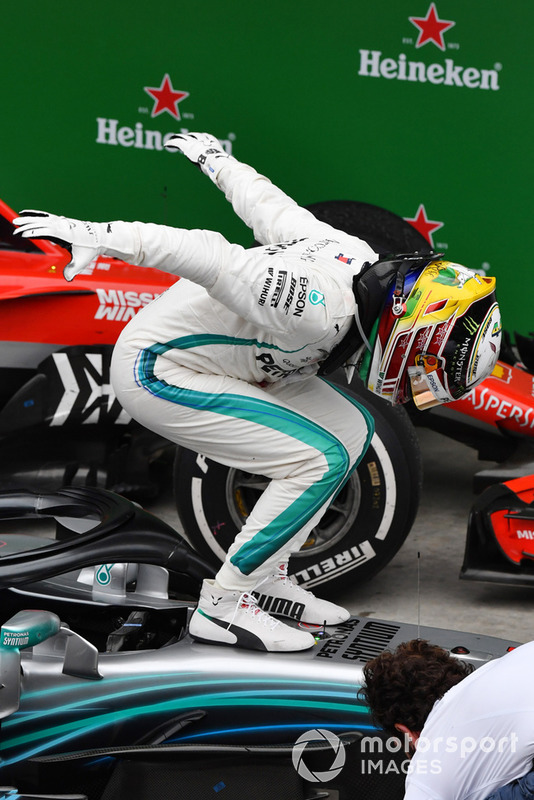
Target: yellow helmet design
{"points": [[439, 340]]}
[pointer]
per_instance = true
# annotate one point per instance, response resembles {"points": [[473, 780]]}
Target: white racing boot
{"points": [[278, 595], [232, 617]]}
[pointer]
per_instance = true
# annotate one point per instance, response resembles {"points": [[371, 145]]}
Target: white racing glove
{"points": [[84, 240], [201, 149]]}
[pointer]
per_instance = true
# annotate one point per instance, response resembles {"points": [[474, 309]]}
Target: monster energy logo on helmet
{"points": [[476, 341], [470, 325]]}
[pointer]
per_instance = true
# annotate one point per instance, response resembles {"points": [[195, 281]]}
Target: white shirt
{"points": [[480, 735]]}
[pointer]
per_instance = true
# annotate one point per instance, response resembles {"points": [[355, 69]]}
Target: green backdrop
{"points": [[411, 105]]}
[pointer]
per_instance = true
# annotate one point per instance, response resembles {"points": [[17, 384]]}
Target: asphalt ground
{"points": [[422, 580], [421, 583]]}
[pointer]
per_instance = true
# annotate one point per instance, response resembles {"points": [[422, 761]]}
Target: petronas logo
{"points": [[470, 325]]}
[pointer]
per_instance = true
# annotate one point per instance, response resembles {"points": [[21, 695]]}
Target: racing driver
{"points": [[226, 363]]}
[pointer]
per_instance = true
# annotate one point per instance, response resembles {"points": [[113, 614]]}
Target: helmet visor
{"points": [[422, 391]]}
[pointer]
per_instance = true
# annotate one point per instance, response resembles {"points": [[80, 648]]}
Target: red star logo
{"points": [[431, 27], [425, 226], [166, 98]]}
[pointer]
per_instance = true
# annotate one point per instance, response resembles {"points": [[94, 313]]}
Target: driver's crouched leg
{"points": [[346, 432], [306, 437], [338, 431]]}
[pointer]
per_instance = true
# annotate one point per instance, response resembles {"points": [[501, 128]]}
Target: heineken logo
{"points": [[431, 31], [431, 28], [166, 98], [113, 132], [138, 135], [424, 225], [374, 65]]}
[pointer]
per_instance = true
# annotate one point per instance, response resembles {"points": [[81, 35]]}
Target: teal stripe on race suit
{"points": [[204, 339], [369, 421], [287, 524], [268, 539]]}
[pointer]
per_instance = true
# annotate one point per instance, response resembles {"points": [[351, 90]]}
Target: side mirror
{"points": [[28, 628], [25, 629]]}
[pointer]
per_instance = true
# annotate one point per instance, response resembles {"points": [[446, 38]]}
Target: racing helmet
{"points": [[436, 338]]}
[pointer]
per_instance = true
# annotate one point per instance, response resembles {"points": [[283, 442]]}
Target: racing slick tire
{"points": [[383, 230], [359, 534]]}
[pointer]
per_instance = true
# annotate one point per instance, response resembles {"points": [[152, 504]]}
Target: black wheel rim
{"points": [[244, 489]]}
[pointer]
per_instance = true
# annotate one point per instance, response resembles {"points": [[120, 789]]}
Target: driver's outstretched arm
{"points": [[272, 214]]}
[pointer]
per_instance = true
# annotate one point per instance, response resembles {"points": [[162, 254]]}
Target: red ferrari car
{"points": [[56, 340]]}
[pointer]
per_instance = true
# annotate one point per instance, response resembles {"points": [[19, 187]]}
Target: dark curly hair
{"points": [[403, 685]]}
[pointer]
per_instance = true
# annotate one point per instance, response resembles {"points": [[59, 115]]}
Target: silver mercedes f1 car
{"points": [[104, 695]]}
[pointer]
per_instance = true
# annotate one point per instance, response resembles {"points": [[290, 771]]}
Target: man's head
{"points": [[402, 686], [437, 342]]}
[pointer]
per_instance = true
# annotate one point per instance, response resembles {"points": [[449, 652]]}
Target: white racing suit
{"points": [[224, 362]]}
